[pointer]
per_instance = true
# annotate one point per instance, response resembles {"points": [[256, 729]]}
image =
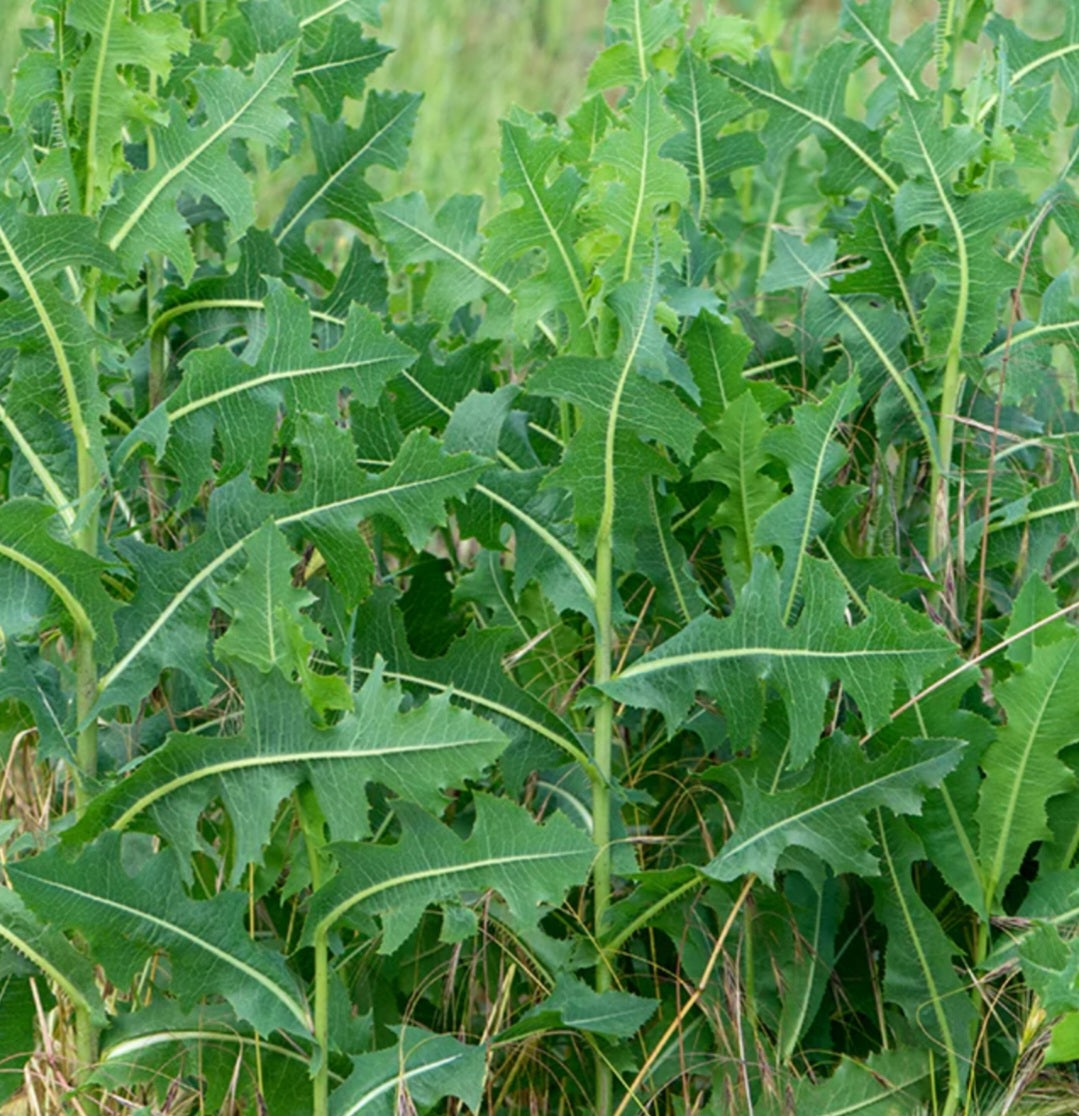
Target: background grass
{"points": [[474, 59]]}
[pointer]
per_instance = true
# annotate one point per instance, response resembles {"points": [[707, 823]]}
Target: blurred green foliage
{"points": [[474, 59]]}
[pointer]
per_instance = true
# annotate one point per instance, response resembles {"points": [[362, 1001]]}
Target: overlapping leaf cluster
{"points": [[382, 574]]}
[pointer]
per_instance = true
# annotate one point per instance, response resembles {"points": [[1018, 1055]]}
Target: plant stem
{"points": [[601, 787], [940, 507], [320, 1097], [86, 1053]]}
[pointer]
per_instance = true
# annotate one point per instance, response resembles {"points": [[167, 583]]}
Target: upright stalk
{"points": [[603, 732], [320, 1098]]}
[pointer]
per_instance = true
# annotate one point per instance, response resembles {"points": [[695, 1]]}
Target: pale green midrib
{"points": [[606, 519], [40, 470], [881, 48], [303, 71], [908, 302], [95, 109], [44, 964], [698, 138], [813, 953], [638, 30], [174, 172], [1039, 513], [314, 17], [671, 662], [667, 561], [507, 711], [635, 224], [962, 836], [1012, 800], [44, 574], [464, 261], [923, 962], [397, 1081], [67, 378], [744, 486], [323, 925], [1022, 72], [563, 252], [891, 1087], [193, 584], [807, 527], [955, 343], [889, 365], [273, 377], [127, 1047], [584, 578], [1030, 334], [825, 123], [351, 161], [344, 753], [294, 1007], [736, 848]]}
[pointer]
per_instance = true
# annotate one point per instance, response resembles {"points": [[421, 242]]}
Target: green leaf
{"points": [[38, 571], [529, 865], [124, 917], [1035, 62], [412, 1076], [962, 309], [545, 220], [640, 27], [415, 754], [632, 181], [613, 1014], [812, 455], [312, 12], [1022, 768], [42, 944], [870, 22], [918, 971], [269, 629], [1064, 1040], [18, 1014], [816, 912], [338, 67], [826, 812], [739, 464], [195, 159], [716, 355], [55, 378], [105, 103], [728, 658], [447, 240], [236, 402], [704, 104], [815, 109], [471, 672], [165, 625], [339, 190], [892, 1083], [605, 464], [1051, 968]]}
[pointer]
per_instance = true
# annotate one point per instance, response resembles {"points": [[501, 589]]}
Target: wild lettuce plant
{"points": [[611, 654]]}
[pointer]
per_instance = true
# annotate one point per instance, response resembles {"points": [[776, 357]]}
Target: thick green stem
{"points": [[940, 509], [86, 672], [86, 1053], [320, 1097], [601, 788]]}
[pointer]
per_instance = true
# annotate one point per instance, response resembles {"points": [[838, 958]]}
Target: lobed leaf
{"points": [[531, 866], [728, 658], [827, 812]]}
